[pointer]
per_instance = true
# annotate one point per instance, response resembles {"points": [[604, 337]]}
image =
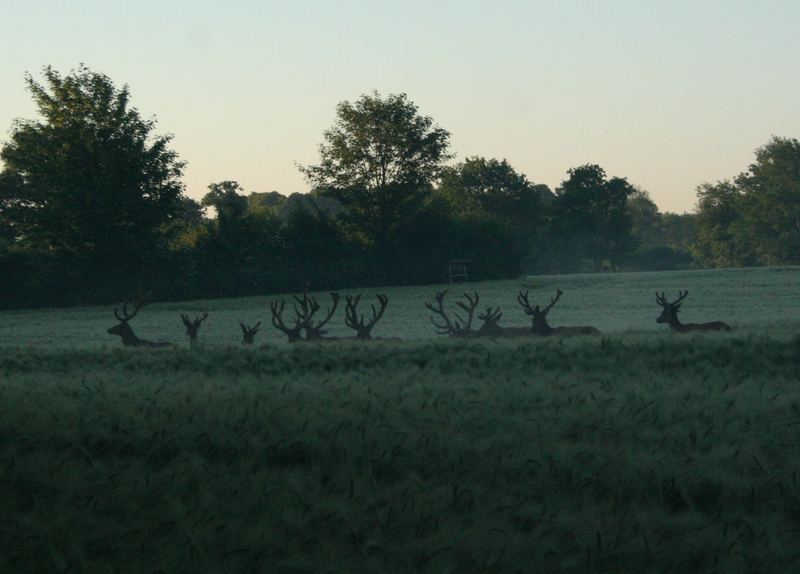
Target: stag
{"points": [[491, 328], [293, 332], [124, 330], [249, 333], [356, 322], [192, 327], [670, 316], [539, 319], [458, 326]]}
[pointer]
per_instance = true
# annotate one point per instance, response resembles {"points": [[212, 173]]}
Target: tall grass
{"points": [[638, 451], [622, 454]]}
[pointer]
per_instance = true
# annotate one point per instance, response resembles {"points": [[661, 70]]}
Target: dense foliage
{"points": [[90, 178], [755, 219], [91, 206]]}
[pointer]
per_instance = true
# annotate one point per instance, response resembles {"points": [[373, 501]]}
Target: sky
{"points": [[669, 94]]}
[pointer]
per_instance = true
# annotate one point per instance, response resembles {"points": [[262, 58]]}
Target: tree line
{"points": [[92, 206]]}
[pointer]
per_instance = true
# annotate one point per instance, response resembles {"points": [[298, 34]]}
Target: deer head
{"points": [[491, 318], [355, 321], [249, 333], [670, 312], [277, 307], [124, 330], [192, 327], [538, 315]]}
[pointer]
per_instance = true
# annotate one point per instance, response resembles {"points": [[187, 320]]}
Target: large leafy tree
{"points": [[770, 203], [590, 217], [721, 240], [487, 185], [90, 176], [230, 205], [379, 159]]}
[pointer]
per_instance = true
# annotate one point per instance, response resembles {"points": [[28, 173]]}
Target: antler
{"points": [[293, 333], [522, 299], [491, 317], [661, 299], [314, 331], [553, 301], [139, 301], [193, 324], [192, 327], [354, 321], [308, 306], [459, 326], [468, 307], [249, 332]]}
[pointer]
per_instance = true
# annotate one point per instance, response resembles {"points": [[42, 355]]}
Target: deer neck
{"points": [[676, 325], [540, 326], [128, 337]]}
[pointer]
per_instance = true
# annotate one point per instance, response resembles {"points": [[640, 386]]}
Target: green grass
{"points": [[614, 303], [639, 451]]}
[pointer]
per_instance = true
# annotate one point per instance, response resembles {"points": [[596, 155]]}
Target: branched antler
{"points": [[491, 318], [459, 327], [277, 307], [675, 305], [192, 327], [249, 333], [139, 301], [522, 299], [314, 330], [355, 321]]}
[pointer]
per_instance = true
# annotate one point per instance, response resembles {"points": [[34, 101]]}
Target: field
{"points": [[638, 451]]}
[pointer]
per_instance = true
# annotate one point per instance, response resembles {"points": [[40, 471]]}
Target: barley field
{"points": [[638, 451]]}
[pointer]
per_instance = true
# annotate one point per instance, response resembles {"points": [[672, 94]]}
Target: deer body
{"points": [[491, 328], [670, 316], [124, 330], [539, 325], [129, 338]]}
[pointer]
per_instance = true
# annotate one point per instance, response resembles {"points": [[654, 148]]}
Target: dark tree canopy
{"points": [[379, 159], [771, 202], [90, 177], [225, 198], [488, 185], [720, 236], [755, 219], [590, 215]]}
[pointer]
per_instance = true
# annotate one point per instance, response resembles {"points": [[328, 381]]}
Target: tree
{"points": [[90, 177], [493, 187], [231, 207], [590, 218], [379, 159], [645, 217], [720, 240], [770, 206]]}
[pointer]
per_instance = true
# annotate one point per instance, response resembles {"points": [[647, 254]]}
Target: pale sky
{"points": [[668, 94]]}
